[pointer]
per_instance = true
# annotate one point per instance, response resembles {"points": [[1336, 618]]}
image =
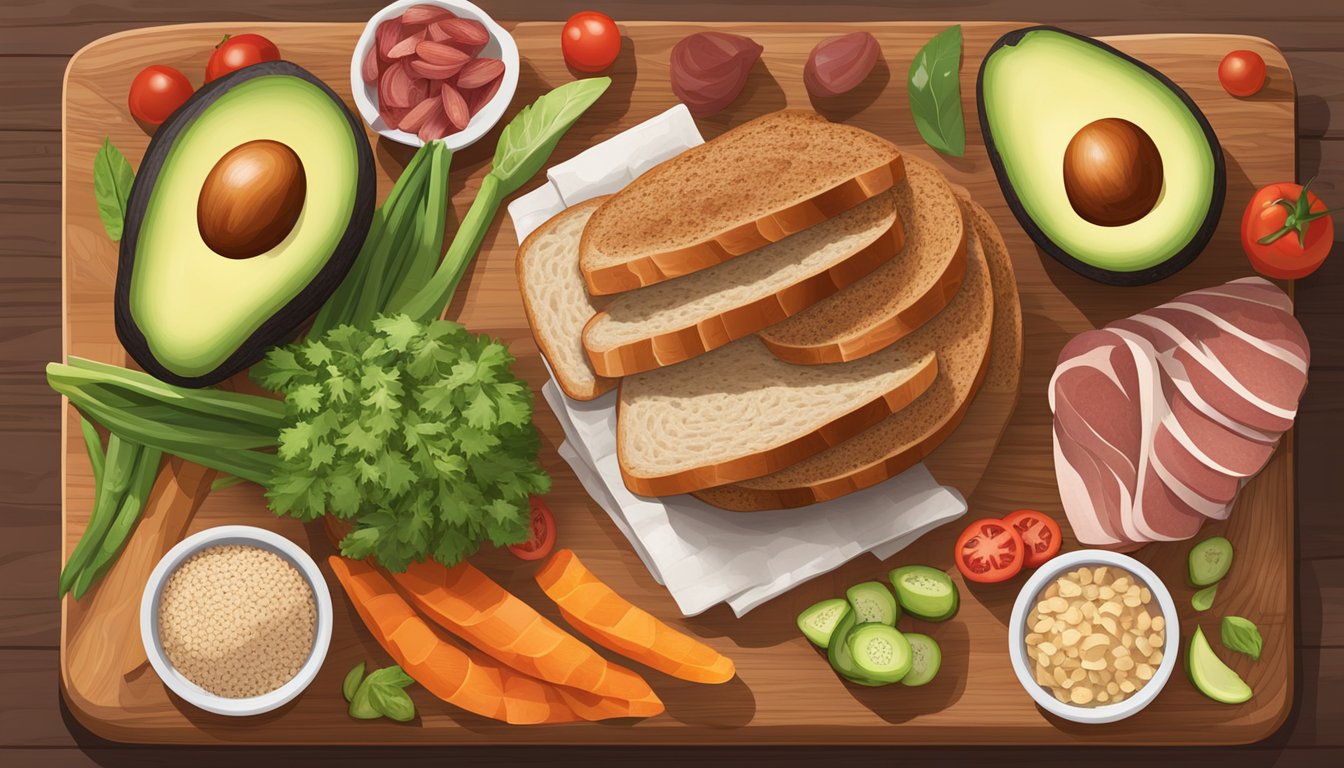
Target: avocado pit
{"points": [[1112, 172], [251, 199]]}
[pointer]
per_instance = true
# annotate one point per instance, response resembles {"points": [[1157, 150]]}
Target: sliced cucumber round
{"points": [[839, 656], [1210, 560], [925, 659], [873, 603], [925, 593], [818, 622], [881, 653]]}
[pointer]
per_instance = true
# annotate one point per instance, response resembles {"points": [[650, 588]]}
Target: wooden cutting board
{"points": [[784, 692]]}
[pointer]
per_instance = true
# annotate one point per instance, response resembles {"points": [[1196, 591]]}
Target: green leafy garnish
{"points": [[1241, 635], [112, 179], [1203, 599], [381, 694], [352, 680], [935, 93]]}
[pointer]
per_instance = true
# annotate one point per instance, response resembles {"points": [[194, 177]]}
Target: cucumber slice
{"points": [[1203, 599], [1210, 561], [1211, 676], [837, 653], [873, 602], [925, 593], [819, 621], [881, 653], [925, 659]]}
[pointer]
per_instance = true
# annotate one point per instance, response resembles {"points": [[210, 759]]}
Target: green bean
{"points": [[132, 507], [94, 445], [120, 461]]}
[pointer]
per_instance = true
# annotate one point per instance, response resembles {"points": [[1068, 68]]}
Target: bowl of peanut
{"points": [[1093, 636]]}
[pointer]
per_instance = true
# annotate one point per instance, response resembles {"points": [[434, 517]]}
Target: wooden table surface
{"points": [[38, 36]]}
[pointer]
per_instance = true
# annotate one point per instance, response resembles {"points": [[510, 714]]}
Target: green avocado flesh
{"points": [[194, 317], [1037, 89], [1211, 676]]}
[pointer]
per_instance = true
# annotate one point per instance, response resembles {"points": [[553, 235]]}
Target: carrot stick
{"points": [[460, 677], [610, 620], [469, 604]]}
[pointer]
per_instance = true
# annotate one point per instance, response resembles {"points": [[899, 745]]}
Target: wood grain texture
{"points": [[784, 693]]}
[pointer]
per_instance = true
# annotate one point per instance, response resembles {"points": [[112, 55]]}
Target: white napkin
{"points": [[703, 555]]}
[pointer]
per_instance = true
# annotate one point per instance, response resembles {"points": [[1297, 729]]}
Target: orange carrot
{"points": [[612, 621], [458, 676], [472, 606]]}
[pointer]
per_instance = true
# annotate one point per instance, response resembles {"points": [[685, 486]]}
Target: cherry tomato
{"points": [[1286, 231], [1242, 73], [590, 41], [989, 551], [1041, 539], [238, 51], [543, 534], [157, 92]]}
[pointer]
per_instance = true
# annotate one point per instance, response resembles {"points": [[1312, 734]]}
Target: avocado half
{"points": [[1036, 88], [193, 317]]}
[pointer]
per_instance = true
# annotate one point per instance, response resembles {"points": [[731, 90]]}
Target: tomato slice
{"points": [[543, 533], [989, 551], [1040, 534]]}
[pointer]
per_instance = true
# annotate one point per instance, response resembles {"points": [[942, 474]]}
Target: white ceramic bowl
{"points": [[501, 46], [245, 535], [1017, 632]]}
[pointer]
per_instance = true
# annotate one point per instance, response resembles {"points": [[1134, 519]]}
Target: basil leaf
{"points": [[361, 704], [392, 702], [352, 680], [112, 177], [391, 676], [529, 138], [935, 93], [1203, 599], [1242, 636]]}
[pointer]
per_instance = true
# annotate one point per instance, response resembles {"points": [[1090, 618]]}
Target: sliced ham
{"points": [[1160, 418]]}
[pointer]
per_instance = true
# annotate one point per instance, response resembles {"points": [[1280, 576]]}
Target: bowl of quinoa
{"points": [[236, 620]]}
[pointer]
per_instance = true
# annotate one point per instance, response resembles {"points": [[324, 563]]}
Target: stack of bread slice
{"points": [[792, 311]]}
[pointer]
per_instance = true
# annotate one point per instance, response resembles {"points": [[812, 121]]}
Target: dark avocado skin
{"points": [[284, 325], [1141, 277]]}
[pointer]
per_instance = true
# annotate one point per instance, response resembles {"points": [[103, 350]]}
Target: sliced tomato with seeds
{"points": [[1040, 534], [989, 551], [543, 534]]}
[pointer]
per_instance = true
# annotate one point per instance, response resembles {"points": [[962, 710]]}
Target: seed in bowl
{"points": [[1095, 636], [430, 77], [239, 621]]}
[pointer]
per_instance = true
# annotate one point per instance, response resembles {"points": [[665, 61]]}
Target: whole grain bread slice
{"points": [[978, 339], [739, 412], [679, 319], [755, 184], [556, 303], [896, 298]]}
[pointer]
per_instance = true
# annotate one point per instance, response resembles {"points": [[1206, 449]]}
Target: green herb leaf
{"points": [[1203, 599], [361, 704], [935, 93], [1242, 636], [528, 139], [393, 676], [112, 179], [352, 680], [392, 702]]}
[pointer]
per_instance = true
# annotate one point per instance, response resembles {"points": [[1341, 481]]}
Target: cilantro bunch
{"points": [[418, 435]]}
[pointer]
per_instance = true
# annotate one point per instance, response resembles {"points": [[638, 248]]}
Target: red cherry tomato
{"points": [[989, 551], [157, 92], [543, 534], [1242, 73], [590, 41], [1286, 231], [238, 51], [1041, 539]]}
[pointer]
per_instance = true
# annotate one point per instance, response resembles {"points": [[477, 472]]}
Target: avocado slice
{"points": [[1211, 676], [1038, 89], [188, 313]]}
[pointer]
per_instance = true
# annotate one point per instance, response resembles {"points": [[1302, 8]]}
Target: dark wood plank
{"points": [[30, 92], [1319, 76], [30, 157], [1320, 603], [30, 217], [1320, 484]]}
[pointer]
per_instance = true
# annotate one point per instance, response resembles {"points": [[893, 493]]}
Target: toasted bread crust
{"points": [[994, 387], [694, 339], [792, 452], [572, 388]]}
